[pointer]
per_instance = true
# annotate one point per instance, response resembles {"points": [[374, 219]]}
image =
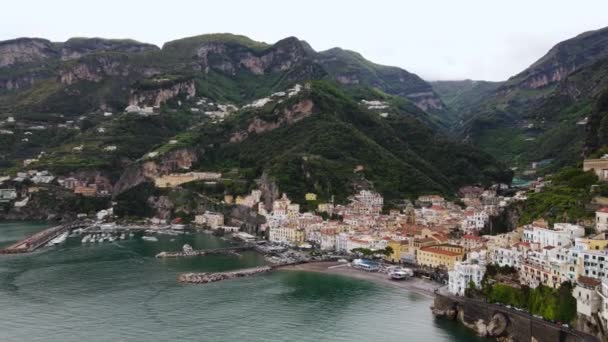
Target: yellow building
{"points": [[175, 179], [400, 248], [440, 256], [310, 196], [594, 243]]}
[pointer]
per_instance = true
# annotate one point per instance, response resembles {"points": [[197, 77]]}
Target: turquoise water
{"points": [[120, 292]]}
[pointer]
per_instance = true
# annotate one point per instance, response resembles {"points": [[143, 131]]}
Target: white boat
{"points": [[178, 226], [107, 226], [398, 274], [59, 239], [150, 238]]}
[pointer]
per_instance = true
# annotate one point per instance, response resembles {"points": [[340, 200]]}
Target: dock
{"points": [[39, 239], [203, 252]]}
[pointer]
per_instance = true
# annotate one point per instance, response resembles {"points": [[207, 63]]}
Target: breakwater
{"points": [[39, 239], [203, 278], [204, 252]]}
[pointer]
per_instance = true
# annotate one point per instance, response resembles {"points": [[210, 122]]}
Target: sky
{"points": [[438, 40]]}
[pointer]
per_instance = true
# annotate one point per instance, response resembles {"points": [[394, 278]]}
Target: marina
{"points": [[40, 239]]}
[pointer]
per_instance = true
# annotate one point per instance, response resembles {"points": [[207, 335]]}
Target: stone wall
{"points": [[500, 322]]}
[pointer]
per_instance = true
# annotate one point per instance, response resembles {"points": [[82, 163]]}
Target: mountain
{"points": [[461, 96], [329, 141], [121, 113], [538, 115], [34, 73]]}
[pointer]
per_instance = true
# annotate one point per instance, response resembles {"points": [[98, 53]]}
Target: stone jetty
{"points": [[204, 252], [203, 278]]}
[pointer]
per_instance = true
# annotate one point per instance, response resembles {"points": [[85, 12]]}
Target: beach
{"points": [[421, 286]]}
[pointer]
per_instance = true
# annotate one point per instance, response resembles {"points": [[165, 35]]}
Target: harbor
{"points": [[40, 239], [99, 286]]}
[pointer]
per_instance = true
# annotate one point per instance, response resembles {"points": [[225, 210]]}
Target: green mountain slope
{"points": [[326, 141], [538, 115]]}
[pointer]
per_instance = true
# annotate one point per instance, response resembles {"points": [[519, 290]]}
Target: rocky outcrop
{"points": [[287, 116], [75, 48], [147, 170], [161, 92], [25, 50], [94, 70], [501, 323], [17, 82], [231, 58], [426, 100]]}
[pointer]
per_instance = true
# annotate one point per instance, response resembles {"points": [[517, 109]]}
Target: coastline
{"points": [[418, 285]]}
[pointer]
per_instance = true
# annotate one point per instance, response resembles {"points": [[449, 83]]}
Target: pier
{"points": [[203, 252], [39, 239]]}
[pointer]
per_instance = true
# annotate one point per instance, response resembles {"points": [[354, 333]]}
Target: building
{"points": [[474, 220], [211, 219], [327, 239], [175, 179], [400, 249], [288, 235], [503, 257], [533, 275], [467, 272], [562, 234], [7, 195], [601, 220], [87, 191], [588, 300], [444, 256], [598, 166], [310, 196]]}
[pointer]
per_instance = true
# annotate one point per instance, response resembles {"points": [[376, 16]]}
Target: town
{"points": [[449, 240]]}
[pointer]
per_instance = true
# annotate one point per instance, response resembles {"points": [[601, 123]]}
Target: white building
{"points": [[464, 272], [474, 220], [601, 220], [342, 242], [505, 257], [562, 234], [588, 300], [328, 239]]}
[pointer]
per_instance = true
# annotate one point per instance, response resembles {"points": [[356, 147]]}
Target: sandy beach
{"points": [[421, 286]]}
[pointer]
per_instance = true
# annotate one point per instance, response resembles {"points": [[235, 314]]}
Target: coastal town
{"points": [[447, 240]]}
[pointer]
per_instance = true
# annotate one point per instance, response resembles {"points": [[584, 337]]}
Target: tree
{"points": [[388, 250]]}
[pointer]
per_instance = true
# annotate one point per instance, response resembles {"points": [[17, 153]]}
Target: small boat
{"points": [[150, 238], [59, 239], [178, 226], [398, 274], [187, 248]]}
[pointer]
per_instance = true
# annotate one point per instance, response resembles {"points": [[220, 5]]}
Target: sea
{"points": [[118, 291]]}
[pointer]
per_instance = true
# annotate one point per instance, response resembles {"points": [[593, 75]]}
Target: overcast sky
{"points": [[450, 39]]}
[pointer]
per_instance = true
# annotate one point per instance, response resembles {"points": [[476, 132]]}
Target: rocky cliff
{"points": [[26, 50], [146, 170], [159, 91]]}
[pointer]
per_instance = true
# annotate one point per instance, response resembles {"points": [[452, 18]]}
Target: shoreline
{"points": [[417, 285]]}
